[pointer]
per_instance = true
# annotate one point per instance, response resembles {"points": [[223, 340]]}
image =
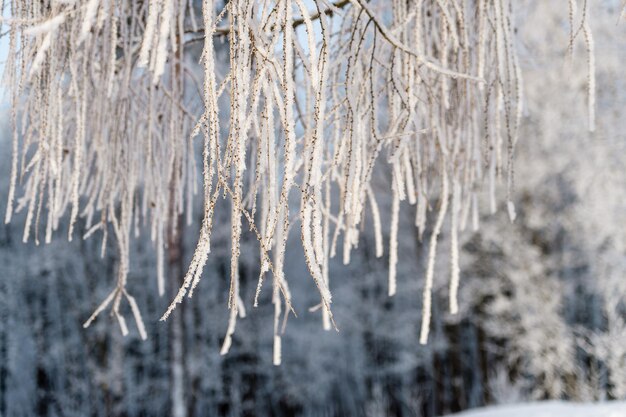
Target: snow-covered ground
{"points": [[551, 409]]}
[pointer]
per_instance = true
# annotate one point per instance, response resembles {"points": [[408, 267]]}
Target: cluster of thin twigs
{"points": [[103, 124]]}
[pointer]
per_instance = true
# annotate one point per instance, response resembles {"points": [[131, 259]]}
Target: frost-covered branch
{"points": [[317, 101]]}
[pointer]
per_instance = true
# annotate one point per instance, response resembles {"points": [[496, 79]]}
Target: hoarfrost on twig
{"points": [[318, 102]]}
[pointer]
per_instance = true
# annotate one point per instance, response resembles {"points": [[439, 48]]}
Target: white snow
{"points": [[551, 409]]}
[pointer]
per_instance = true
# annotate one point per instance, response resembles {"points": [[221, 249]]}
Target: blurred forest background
{"points": [[542, 300]]}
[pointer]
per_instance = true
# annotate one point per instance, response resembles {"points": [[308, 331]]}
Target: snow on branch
{"points": [[104, 116]]}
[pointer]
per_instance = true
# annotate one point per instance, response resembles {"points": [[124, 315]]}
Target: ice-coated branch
{"points": [[299, 125]]}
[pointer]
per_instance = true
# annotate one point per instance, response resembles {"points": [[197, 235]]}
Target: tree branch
{"points": [[224, 31]]}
